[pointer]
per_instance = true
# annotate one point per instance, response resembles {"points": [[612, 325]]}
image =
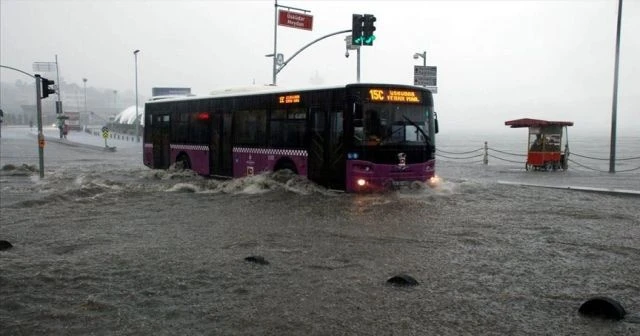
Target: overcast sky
{"points": [[497, 60]]}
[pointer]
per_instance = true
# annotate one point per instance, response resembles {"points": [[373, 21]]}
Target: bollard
{"points": [[603, 307], [257, 260], [485, 160], [402, 280]]}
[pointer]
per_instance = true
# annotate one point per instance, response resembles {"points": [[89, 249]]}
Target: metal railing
{"points": [[487, 152]]}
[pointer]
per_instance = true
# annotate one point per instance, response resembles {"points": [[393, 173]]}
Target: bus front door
{"points": [[160, 136], [318, 151], [326, 148], [221, 156], [336, 154]]}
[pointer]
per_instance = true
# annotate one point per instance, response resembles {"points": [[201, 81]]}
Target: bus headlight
{"points": [[361, 182], [434, 181]]}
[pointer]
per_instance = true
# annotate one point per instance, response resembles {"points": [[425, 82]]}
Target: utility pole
{"points": [[59, 101], [84, 81], [614, 108], [135, 55]]}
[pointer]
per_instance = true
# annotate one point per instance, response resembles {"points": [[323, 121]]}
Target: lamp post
{"points": [[614, 106], [423, 55], [84, 81], [135, 56]]}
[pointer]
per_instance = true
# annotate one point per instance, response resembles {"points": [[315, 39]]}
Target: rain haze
{"points": [[497, 60], [319, 212]]}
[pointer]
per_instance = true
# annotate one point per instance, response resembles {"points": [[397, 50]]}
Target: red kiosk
{"points": [[548, 146]]}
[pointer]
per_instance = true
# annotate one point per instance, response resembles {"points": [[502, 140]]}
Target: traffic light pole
{"points": [[39, 120], [307, 46], [358, 67], [39, 115]]}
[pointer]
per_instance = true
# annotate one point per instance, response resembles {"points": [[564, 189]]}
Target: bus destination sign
{"points": [[394, 96], [289, 99]]}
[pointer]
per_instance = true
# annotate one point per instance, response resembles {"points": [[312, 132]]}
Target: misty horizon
{"points": [[497, 60]]}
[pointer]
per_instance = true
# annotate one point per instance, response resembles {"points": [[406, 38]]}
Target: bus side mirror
{"points": [[437, 128]]}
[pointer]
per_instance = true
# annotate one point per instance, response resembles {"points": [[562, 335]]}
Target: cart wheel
{"points": [[548, 166]]}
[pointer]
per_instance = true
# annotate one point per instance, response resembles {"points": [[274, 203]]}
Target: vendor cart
{"points": [[548, 145]]}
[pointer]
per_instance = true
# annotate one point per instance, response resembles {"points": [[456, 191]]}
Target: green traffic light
{"points": [[369, 39]]}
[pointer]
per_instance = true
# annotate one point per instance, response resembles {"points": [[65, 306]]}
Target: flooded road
{"points": [[103, 245]]}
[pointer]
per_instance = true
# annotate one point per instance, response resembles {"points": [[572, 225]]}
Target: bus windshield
{"points": [[392, 124]]}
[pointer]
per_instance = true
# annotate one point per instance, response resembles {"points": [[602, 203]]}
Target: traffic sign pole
{"points": [[105, 135], [276, 22]]}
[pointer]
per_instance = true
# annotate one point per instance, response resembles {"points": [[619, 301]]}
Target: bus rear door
{"points": [[160, 136], [221, 157]]}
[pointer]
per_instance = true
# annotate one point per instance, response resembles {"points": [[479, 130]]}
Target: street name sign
{"points": [[295, 20], [44, 66]]}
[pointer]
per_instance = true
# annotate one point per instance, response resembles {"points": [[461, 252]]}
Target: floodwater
{"points": [[105, 246]]}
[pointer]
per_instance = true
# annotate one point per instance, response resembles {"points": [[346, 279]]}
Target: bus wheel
{"points": [[183, 162]]}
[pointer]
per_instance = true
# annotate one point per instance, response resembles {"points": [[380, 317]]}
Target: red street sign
{"points": [[295, 20]]}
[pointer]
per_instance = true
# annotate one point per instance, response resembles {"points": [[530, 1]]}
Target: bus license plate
{"points": [[401, 184]]}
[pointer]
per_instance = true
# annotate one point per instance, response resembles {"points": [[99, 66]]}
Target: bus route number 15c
{"points": [[376, 95]]}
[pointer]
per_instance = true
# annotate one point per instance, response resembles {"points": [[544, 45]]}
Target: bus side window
{"points": [[250, 126], [181, 123]]}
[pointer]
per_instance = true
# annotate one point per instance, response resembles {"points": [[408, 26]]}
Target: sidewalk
{"points": [[87, 140]]}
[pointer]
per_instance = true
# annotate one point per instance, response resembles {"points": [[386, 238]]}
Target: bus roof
{"points": [[268, 89], [154, 98]]}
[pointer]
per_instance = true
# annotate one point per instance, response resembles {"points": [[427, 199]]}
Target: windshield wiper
{"points": [[426, 137]]}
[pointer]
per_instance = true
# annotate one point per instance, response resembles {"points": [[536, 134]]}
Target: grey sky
{"points": [[497, 60]]}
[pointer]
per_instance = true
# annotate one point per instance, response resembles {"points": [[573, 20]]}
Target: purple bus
{"points": [[357, 137]]}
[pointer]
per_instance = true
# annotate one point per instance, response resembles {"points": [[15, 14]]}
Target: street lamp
{"points": [[423, 55], [135, 56], [84, 80]]}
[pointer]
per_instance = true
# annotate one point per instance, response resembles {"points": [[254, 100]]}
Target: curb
{"points": [[78, 144], [611, 191]]}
